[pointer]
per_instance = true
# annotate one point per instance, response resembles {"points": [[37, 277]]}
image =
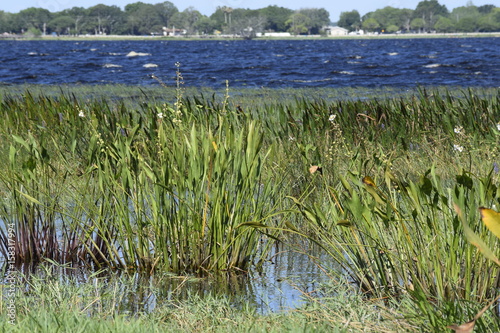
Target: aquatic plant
{"points": [[206, 183]]}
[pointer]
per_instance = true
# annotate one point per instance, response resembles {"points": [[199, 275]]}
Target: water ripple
{"points": [[271, 63]]}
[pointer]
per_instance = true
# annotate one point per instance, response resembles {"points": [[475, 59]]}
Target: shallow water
{"points": [[257, 63], [280, 285]]}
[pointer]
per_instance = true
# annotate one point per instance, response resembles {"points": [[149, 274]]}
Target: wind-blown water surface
{"points": [[256, 63]]}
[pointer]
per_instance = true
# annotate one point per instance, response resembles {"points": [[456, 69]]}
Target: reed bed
{"points": [[205, 184]]}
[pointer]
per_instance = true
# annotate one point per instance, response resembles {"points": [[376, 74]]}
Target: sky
{"points": [[208, 7]]}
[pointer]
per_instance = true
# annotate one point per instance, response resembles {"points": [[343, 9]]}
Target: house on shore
{"points": [[335, 31], [174, 32], [274, 34]]}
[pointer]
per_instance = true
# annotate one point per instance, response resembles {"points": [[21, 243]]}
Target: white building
{"points": [[335, 31], [277, 34], [174, 32]]}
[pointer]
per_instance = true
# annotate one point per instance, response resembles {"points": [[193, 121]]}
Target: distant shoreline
{"points": [[229, 37]]}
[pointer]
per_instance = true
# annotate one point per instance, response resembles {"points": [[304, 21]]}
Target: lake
{"points": [[256, 63]]}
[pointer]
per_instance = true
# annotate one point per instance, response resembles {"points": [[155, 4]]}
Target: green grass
{"points": [[117, 303], [204, 183]]}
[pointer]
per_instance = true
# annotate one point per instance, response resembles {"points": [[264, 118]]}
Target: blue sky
{"points": [[207, 7]]}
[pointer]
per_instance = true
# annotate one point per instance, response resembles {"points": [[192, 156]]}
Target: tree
{"points": [[142, 18], [298, 23], [35, 18], [61, 24], [6, 22], [318, 18], [392, 29], [485, 9], [239, 21], [370, 24], [248, 26], [405, 16], [459, 13], [466, 24], [350, 20], [104, 19], [228, 14], [205, 25], [490, 22], [165, 11], [80, 17], [417, 24], [391, 16], [428, 11], [276, 17], [187, 19], [444, 24]]}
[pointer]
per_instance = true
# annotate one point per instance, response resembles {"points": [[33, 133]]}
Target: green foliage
{"points": [[61, 24], [140, 18], [350, 20], [135, 190], [429, 11], [390, 16], [417, 23], [444, 24], [276, 17], [370, 24], [206, 184]]}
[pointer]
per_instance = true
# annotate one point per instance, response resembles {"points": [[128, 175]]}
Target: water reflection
{"points": [[281, 283], [291, 273]]}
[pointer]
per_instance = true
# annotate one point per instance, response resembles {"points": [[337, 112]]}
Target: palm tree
{"points": [[227, 13]]}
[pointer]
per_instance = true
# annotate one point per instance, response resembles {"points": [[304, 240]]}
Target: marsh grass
{"points": [[204, 185], [165, 188], [127, 303]]}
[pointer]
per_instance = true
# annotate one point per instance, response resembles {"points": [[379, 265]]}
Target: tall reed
{"points": [[156, 189]]}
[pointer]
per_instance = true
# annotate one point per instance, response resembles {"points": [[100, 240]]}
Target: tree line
{"points": [[428, 16], [144, 19]]}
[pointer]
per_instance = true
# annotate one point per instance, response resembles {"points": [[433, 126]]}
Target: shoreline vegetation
{"points": [[137, 187], [237, 37], [165, 19]]}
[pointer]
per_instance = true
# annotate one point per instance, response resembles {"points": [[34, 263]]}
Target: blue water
{"points": [[257, 63]]}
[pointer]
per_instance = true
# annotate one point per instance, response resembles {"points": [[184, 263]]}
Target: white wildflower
{"points": [[81, 114], [332, 118], [458, 148], [498, 126], [160, 115], [458, 129], [291, 138]]}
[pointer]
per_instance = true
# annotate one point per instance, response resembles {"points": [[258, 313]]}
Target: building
{"points": [[335, 31], [174, 32]]}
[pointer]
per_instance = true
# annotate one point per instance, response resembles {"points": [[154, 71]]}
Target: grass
{"points": [[118, 303], [203, 184]]}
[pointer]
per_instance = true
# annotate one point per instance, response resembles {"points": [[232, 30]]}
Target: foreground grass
{"points": [[204, 184], [49, 304]]}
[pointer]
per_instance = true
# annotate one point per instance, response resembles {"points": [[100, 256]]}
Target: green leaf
{"points": [[344, 223], [478, 242], [291, 226], [465, 181], [12, 155], [30, 198], [252, 224], [21, 141]]}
